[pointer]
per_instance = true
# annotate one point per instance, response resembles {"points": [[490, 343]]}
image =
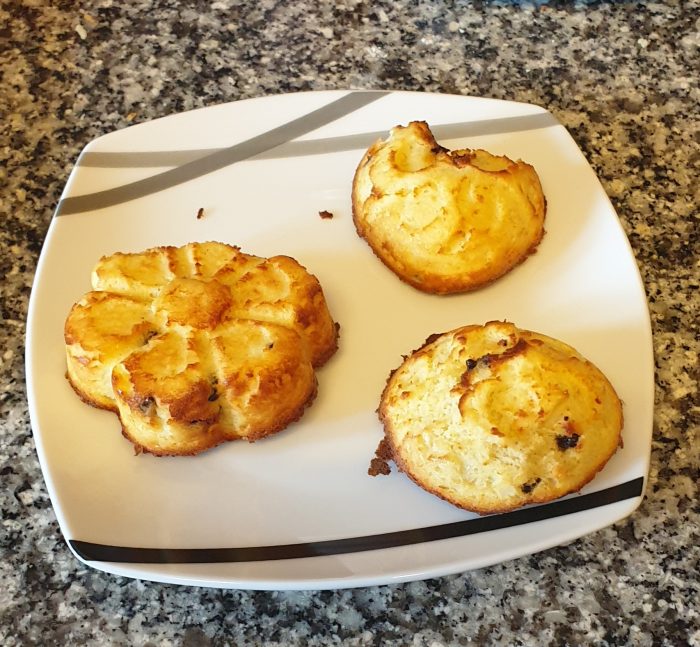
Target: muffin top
{"points": [[445, 221], [492, 417]]}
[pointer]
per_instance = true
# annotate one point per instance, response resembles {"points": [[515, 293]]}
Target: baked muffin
{"points": [[445, 221], [197, 345], [492, 417]]}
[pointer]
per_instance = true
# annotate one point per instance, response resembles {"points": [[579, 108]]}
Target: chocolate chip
{"points": [[529, 487], [567, 442]]}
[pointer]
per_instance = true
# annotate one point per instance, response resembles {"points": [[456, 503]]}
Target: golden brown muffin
{"points": [[445, 221], [492, 417], [197, 345]]}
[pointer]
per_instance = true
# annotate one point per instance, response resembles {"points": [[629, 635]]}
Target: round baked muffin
{"points": [[445, 221], [196, 345], [492, 417]]}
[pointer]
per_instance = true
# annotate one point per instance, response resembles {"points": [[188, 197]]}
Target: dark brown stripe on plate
{"points": [[147, 159], [104, 553], [219, 159]]}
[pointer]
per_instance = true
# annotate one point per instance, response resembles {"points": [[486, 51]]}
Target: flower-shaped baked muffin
{"points": [[196, 345], [445, 221]]}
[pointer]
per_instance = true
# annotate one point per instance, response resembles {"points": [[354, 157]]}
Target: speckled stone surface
{"points": [[623, 77]]}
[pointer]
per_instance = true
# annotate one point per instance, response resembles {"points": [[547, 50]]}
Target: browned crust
{"points": [[141, 449], [276, 427], [390, 451], [293, 416], [435, 285], [86, 398], [330, 350]]}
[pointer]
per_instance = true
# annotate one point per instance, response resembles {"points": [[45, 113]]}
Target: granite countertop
{"points": [[622, 77]]}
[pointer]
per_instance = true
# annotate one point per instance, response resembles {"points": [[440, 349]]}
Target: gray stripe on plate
{"points": [[219, 159], [145, 159]]}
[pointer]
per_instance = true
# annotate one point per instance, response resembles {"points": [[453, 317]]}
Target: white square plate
{"points": [[298, 510]]}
